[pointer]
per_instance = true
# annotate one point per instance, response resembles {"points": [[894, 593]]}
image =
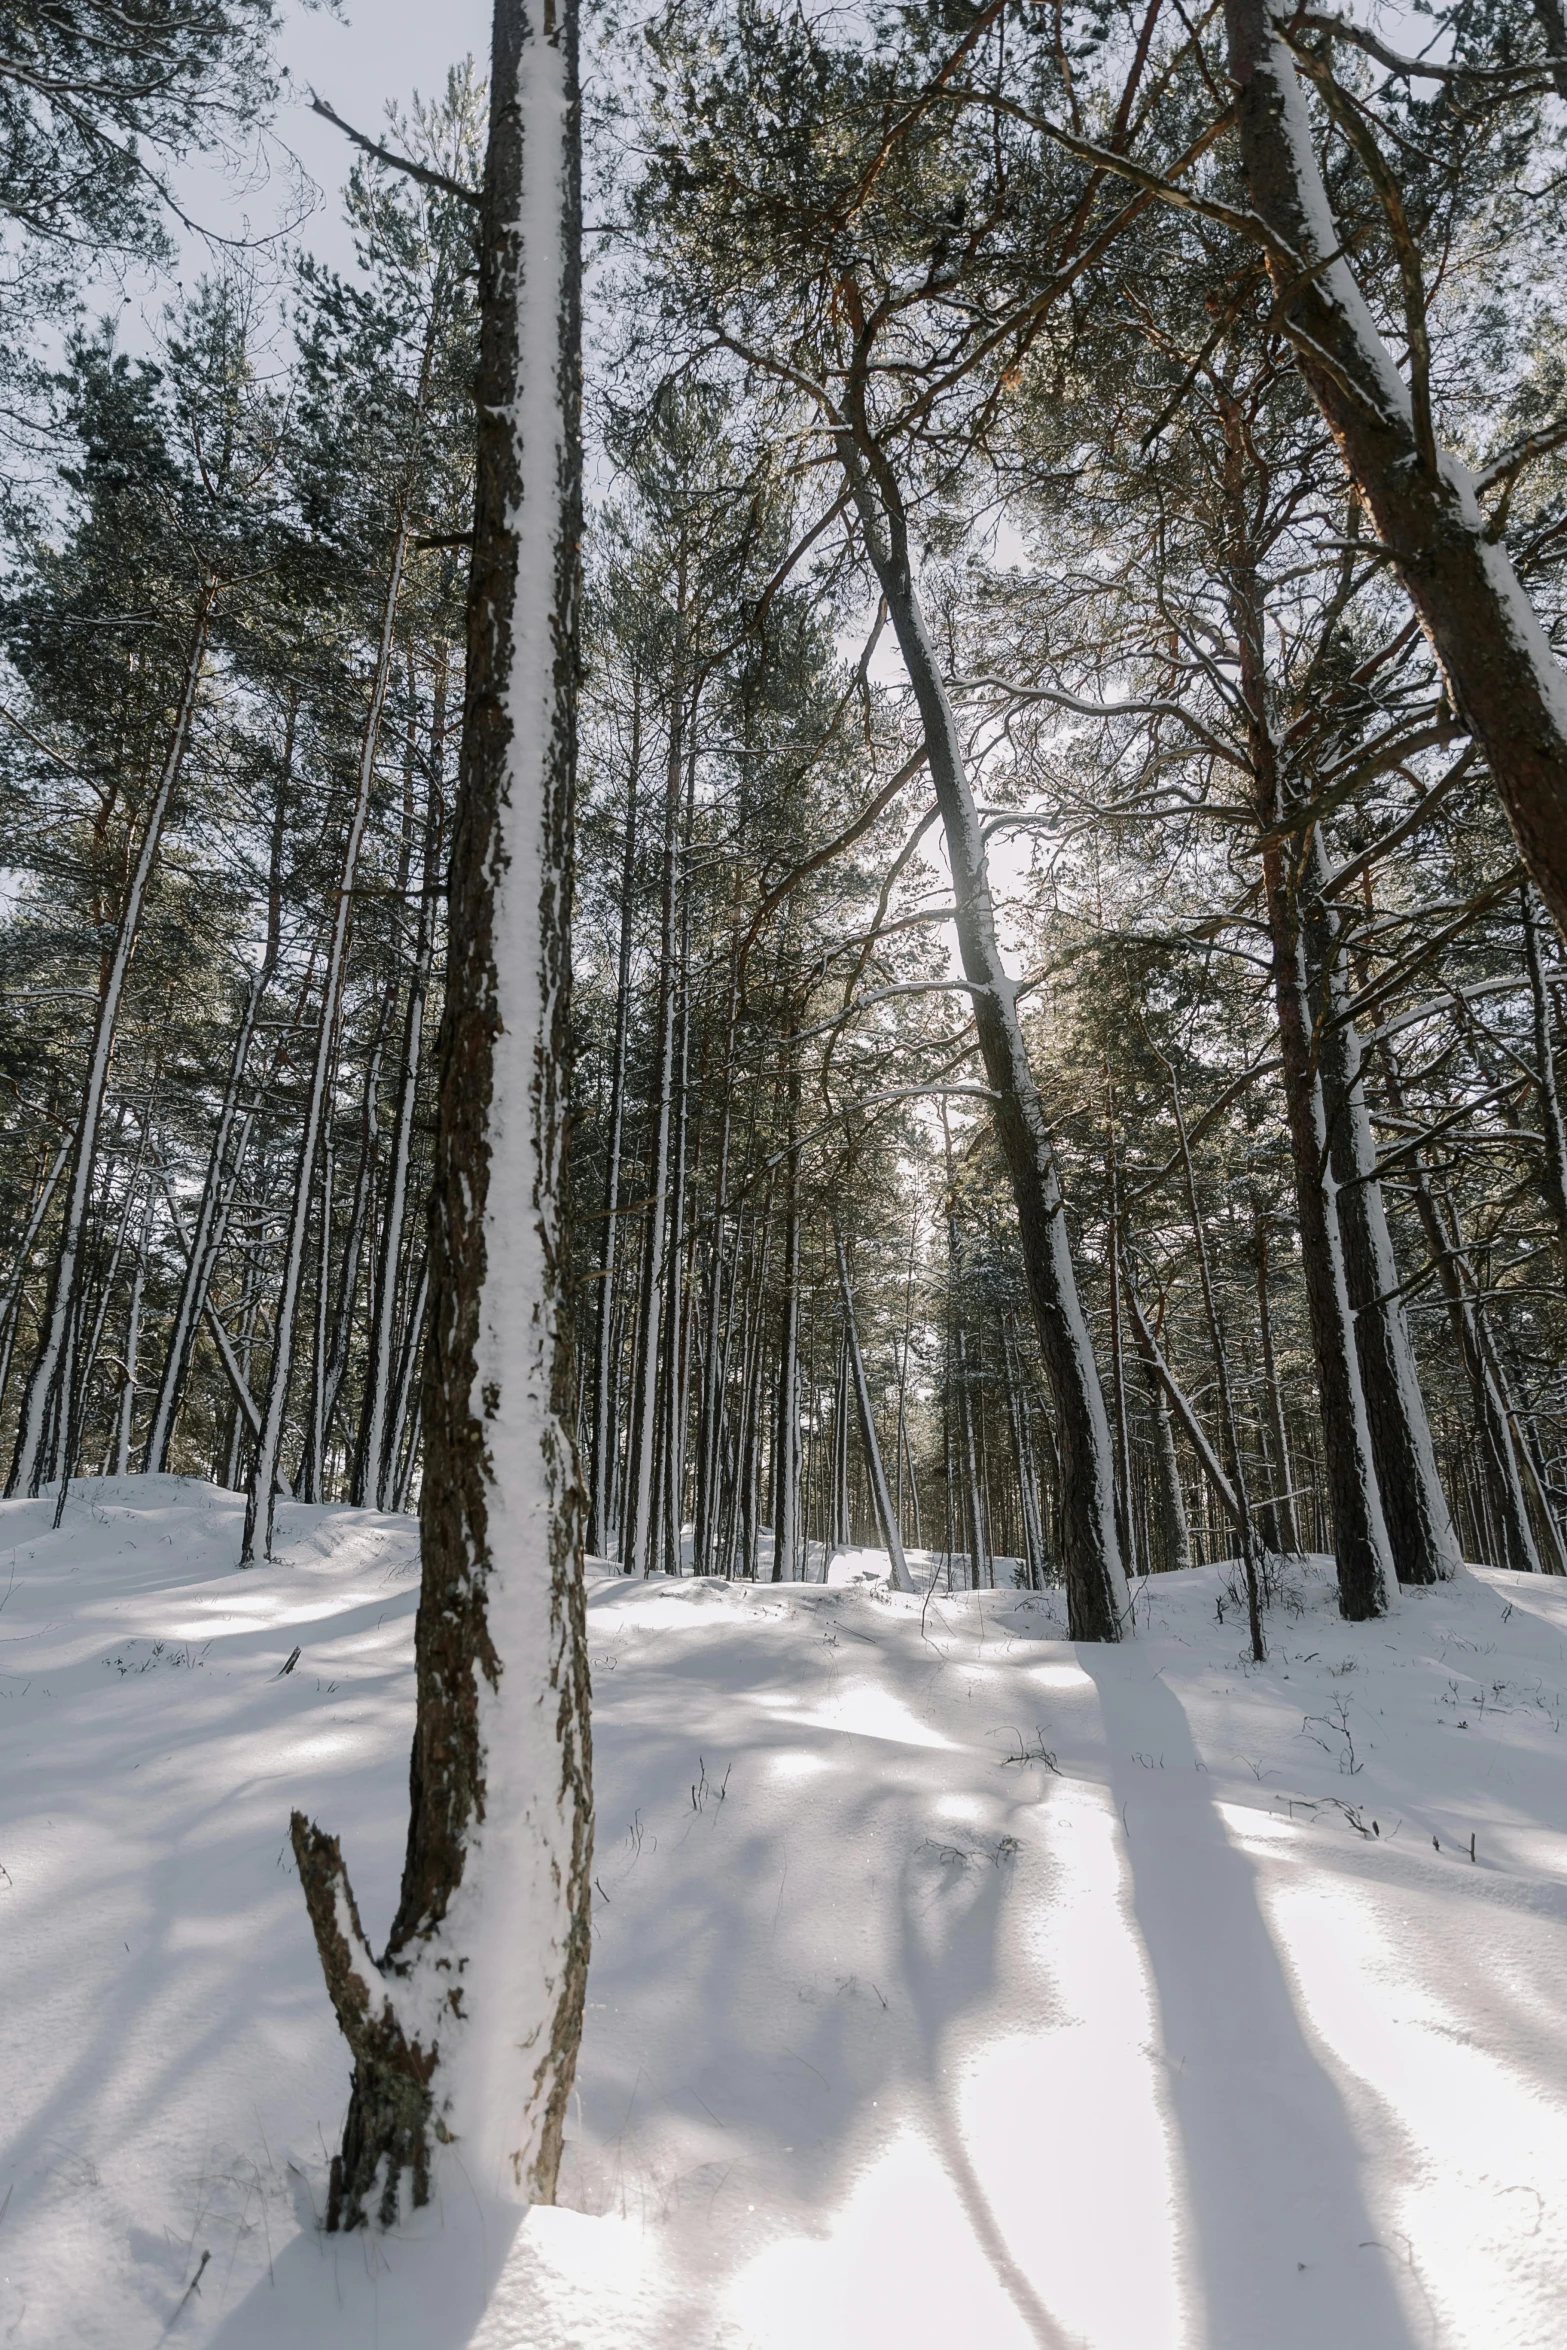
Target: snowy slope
{"points": [[951, 1985]]}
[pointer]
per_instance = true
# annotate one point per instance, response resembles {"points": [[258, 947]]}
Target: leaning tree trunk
{"points": [[1501, 672], [1098, 1603], [464, 2034]]}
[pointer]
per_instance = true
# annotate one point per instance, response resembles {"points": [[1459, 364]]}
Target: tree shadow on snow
{"points": [[1285, 2253], [951, 1965], [427, 2288]]}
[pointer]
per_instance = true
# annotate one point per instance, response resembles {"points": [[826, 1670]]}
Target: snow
{"points": [[950, 1983]]}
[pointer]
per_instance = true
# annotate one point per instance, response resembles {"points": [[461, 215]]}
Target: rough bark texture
{"points": [[466, 2030], [1501, 672]]}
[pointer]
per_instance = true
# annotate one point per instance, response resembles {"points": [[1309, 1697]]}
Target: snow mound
{"points": [[951, 1983]]}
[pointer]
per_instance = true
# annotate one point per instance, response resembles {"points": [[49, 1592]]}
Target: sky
{"points": [[374, 51], [368, 53]]}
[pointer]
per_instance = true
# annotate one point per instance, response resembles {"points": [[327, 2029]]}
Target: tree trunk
{"points": [[902, 1580], [1366, 1574], [11, 1304], [464, 2034], [786, 1418], [1547, 1077], [639, 1526], [599, 1522], [376, 1453], [1414, 1507], [1097, 1598], [26, 1462], [124, 1425], [225, 1157], [1503, 677], [1280, 1531], [261, 1494]]}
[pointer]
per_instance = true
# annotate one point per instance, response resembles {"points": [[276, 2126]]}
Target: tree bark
{"points": [[599, 1526], [1098, 1602], [902, 1580], [27, 1460], [1502, 674], [464, 2033], [1414, 1507]]}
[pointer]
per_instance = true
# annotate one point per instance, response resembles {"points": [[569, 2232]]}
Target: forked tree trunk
{"points": [[464, 2033], [1501, 672]]}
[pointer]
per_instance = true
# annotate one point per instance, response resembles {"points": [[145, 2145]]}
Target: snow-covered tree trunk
{"points": [[1414, 1507], [1097, 1598], [27, 1460], [464, 2033], [902, 1580], [1501, 672], [1367, 1583]]}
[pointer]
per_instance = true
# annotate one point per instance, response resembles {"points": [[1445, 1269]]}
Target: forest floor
{"points": [[951, 1985]]}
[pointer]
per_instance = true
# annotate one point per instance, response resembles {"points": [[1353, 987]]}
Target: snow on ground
{"points": [[951, 1985]]}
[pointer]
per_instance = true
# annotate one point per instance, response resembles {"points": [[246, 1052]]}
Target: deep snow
{"points": [[951, 1985]]}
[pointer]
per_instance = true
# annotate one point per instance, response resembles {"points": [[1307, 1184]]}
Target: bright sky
{"points": [[375, 51], [371, 52]]}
